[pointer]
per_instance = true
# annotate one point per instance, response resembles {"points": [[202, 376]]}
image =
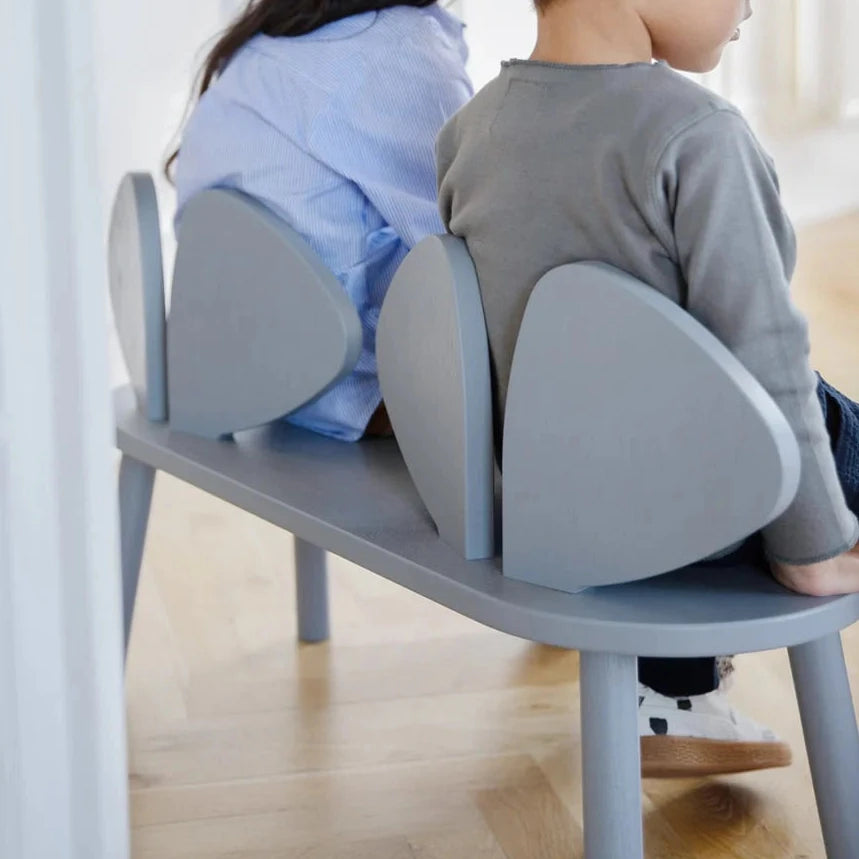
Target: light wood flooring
{"points": [[414, 733]]}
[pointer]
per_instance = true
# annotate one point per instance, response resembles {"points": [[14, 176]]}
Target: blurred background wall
{"points": [[795, 73]]}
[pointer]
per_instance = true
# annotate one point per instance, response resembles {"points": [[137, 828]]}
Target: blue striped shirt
{"points": [[335, 132]]}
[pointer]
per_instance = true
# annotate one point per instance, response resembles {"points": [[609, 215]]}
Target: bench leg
{"points": [[611, 757], [135, 499], [832, 740], [311, 584]]}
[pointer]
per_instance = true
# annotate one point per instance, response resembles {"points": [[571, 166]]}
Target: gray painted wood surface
{"points": [[611, 757], [433, 362], [359, 502], [634, 442], [136, 480], [831, 738], [258, 326], [136, 278], [311, 592]]}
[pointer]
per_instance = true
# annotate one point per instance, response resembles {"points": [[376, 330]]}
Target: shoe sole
{"points": [[689, 757]]}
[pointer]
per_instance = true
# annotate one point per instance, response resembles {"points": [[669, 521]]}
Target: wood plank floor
{"points": [[413, 734]]}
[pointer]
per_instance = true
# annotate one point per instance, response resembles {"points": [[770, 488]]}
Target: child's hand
{"points": [[825, 579]]}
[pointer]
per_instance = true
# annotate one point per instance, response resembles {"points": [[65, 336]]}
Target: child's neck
{"points": [[603, 33]]}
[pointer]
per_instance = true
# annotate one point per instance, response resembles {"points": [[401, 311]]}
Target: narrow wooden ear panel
{"points": [[433, 360], [136, 278], [258, 325]]}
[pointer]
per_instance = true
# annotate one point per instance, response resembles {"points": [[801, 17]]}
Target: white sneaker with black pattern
{"points": [[702, 735]]}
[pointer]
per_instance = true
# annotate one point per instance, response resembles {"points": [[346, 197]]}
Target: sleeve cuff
{"points": [[816, 559]]}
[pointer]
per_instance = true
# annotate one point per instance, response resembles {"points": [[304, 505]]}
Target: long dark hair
{"points": [[278, 18]]}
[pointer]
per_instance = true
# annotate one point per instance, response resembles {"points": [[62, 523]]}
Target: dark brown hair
{"points": [[279, 18]]}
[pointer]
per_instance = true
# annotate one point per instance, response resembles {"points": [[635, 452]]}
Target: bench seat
{"points": [[358, 502]]}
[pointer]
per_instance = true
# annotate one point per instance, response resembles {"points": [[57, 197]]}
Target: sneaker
{"points": [[702, 735]]}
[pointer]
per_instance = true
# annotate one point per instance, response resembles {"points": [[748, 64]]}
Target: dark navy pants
{"points": [[681, 677], [842, 422]]}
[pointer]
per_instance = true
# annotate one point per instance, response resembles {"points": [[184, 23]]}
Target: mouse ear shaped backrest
{"points": [[136, 279], [258, 325], [635, 443], [433, 360]]}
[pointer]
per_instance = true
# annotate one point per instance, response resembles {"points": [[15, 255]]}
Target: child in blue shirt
{"points": [[327, 113]]}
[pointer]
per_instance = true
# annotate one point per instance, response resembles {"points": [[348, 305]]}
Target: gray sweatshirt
{"points": [[640, 168]]}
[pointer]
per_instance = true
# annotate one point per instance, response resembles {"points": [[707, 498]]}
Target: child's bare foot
{"points": [[826, 579]]}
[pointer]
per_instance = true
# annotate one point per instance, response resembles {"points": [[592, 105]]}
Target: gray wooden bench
{"points": [[605, 521]]}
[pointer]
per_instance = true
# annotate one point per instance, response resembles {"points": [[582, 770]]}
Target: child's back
{"points": [[638, 167], [333, 130], [591, 152]]}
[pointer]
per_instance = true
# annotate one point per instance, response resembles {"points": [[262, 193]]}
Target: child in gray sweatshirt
{"points": [[590, 150]]}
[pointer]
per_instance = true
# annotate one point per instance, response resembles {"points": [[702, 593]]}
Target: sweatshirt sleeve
{"points": [[737, 252], [445, 152]]}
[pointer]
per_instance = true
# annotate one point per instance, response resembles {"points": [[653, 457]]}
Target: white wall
{"points": [[497, 30], [146, 56], [851, 87]]}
